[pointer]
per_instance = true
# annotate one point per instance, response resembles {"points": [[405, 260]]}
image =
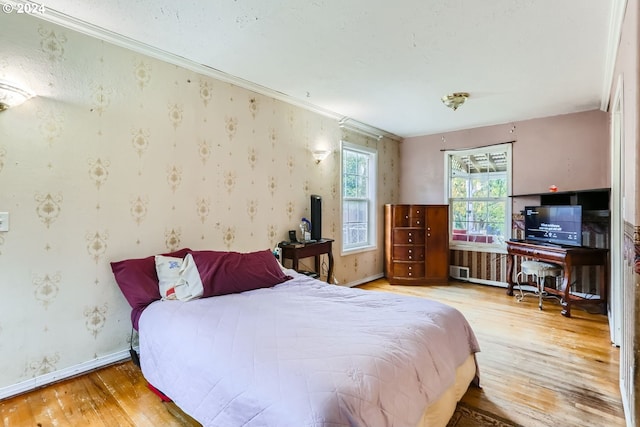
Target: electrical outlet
{"points": [[4, 221]]}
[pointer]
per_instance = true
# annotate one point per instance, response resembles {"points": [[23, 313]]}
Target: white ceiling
{"points": [[383, 63]]}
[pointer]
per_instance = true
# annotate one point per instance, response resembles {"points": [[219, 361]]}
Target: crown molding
{"points": [[87, 28], [352, 125], [616, 20]]}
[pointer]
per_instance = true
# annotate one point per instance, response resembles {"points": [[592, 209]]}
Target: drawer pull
{"points": [[410, 241]]}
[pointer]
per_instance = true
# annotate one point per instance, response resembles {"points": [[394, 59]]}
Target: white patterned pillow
{"points": [[178, 278], [168, 269]]}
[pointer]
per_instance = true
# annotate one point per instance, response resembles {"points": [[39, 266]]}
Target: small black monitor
{"points": [[560, 224]]}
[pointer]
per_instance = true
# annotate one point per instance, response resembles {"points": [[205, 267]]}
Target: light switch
{"points": [[4, 221]]}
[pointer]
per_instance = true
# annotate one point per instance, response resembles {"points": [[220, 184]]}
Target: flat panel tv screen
{"points": [[561, 225]]}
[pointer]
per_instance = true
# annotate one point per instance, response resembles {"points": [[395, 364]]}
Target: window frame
{"points": [[372, 220], [480, 246]]}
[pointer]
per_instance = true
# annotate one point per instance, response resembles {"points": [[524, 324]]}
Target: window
{"points": [[478, 185], [358, 197]]}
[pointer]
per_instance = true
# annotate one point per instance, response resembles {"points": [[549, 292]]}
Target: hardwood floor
{"points": [[115, 396], [537, 368]]}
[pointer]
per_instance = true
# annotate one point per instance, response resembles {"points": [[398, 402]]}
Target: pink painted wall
{"points": [[570, 151]]}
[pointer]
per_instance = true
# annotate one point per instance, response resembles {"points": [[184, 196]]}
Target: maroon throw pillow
{"points": [[138, 281], [232, 272]]}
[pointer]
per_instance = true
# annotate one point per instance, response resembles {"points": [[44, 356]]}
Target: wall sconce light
{"points": [[320, 155], [12, 95], [454, 100]]}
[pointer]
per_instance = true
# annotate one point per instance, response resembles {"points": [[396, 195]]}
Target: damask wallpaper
{"points": [[120, 156]]}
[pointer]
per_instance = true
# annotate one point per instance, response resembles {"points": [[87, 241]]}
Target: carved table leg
{"points": [[510, 274], [566, 287], [330, 272]]}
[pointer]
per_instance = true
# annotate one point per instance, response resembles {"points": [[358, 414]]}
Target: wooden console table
{"points": [[297, 251], [568, 257]]}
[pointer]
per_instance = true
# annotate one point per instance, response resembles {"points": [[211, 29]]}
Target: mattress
{"points": [[305, 353], [438, 413]]}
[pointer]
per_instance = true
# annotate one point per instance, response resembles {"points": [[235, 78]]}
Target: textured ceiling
{"points": [[381, 63]]}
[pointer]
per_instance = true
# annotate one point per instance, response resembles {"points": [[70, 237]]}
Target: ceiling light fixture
{"points": [[12, 95], [455, 100]]}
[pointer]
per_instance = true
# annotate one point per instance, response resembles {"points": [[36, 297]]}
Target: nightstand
{"points": [[297, 251]]}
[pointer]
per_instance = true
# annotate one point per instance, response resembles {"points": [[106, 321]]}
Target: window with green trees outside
{"points": [[478, 188], [358, 173]]}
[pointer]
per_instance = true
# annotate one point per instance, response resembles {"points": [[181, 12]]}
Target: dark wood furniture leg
{"points": [[330, 272], [566, 288], [510, 262], [317, 264]]}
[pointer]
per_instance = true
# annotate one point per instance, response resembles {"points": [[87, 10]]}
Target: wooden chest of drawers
{"points": [[416, 244]]}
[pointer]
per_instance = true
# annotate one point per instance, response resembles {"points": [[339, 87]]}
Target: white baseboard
{"points": [[483, 282], [71, 371], [365, 280]]}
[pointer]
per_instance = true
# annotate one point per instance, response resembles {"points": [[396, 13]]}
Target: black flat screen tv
{"points": [[561, 225]]}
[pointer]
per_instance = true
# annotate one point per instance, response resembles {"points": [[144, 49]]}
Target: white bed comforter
{"points": [[304, 354]]}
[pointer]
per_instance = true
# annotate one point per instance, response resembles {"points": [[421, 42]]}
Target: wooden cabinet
{"points": [[416, 244]]}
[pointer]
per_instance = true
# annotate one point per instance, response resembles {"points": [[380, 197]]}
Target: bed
{"points": [[303, 353]]}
